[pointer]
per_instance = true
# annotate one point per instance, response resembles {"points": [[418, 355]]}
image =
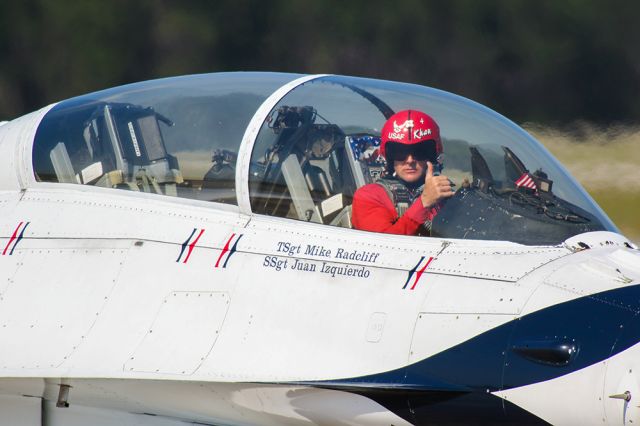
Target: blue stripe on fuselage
{"points": [[600, 325]]}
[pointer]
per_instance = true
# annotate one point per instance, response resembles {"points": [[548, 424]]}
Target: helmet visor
{"points": [[423, 151]]}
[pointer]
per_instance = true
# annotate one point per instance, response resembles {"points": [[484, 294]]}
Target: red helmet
{"points": [[409, 127]]}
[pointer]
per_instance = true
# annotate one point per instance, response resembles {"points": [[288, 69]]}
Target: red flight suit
{"points": [[373, 210]]}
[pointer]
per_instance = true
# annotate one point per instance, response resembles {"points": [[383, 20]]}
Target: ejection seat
{"points": [[127, 142], [314, 173], [322, 184], [311, 171]]}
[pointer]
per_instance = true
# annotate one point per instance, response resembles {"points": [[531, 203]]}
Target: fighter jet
{"points": [[181, 251]]}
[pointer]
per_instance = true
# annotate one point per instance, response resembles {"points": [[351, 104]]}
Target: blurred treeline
{"points": [[544, 61], [565, 65]]}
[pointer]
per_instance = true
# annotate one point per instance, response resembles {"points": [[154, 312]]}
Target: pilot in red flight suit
{"points": [[409, 197]]}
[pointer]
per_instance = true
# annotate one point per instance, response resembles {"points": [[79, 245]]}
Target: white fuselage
{"points": [[192, 310]]}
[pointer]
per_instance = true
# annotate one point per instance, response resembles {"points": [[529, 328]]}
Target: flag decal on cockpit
{"points": [[417, 271], [526, 181], [16, 237], [190, 245], [228, 250]]}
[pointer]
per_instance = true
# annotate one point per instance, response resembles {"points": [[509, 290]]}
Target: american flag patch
{"points": [[526, 181]]}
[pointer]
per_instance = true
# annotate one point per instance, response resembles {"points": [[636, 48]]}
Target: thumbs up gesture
{"points": [[436, 188]]}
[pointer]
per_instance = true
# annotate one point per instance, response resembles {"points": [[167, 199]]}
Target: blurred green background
{"points": [[606, 162], [568, 70]]}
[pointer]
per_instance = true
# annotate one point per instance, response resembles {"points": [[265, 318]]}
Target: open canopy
{"points": [[298, 147]]}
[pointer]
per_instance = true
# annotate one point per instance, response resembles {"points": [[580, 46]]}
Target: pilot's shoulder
{"points": [[373, 193], [371, 189]]}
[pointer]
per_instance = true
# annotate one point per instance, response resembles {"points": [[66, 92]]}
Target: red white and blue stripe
{"points": [[15, 239], [228, 250], [189, 245], [416, 272]]}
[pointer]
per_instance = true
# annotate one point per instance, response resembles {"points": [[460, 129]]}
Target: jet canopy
{"points": [[299, 147]]}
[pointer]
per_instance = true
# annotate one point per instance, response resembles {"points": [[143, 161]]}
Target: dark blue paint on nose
{"points": [[591, 328], [540, 346]]}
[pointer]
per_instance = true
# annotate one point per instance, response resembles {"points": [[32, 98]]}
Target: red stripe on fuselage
{"points": [[12, 239], [225, 249], [192, 245], [419, 274]]}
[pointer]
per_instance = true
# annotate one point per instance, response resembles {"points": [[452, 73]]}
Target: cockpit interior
{"points": [[187, 136]]}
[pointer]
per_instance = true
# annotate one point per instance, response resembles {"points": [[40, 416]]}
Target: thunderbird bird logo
{"points": [[408, 124]]}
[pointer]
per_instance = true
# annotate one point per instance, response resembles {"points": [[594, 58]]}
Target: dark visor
{"points": [[422, 151]]}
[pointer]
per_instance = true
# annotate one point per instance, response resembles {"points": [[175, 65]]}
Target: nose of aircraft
{"points": [[621, 394], [574, 355]]}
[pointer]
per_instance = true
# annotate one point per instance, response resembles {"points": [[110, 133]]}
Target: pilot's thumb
{"points": [[429, 170]]}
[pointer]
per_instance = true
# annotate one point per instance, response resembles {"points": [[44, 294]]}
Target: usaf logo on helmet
{"points": [[398, 129]]}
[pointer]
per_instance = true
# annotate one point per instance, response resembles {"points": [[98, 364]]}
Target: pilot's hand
{"points": [[436, 188]]}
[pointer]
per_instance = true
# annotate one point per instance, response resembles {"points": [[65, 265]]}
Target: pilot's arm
{"points": [[373, 210]]}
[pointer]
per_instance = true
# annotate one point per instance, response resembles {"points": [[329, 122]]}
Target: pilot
{"points": [[407, 199]]}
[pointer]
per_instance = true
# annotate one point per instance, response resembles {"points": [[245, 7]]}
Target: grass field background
{"points": [[607, 164]]}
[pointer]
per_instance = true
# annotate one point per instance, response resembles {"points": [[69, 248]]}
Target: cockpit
{"points": [[298, 147]]}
